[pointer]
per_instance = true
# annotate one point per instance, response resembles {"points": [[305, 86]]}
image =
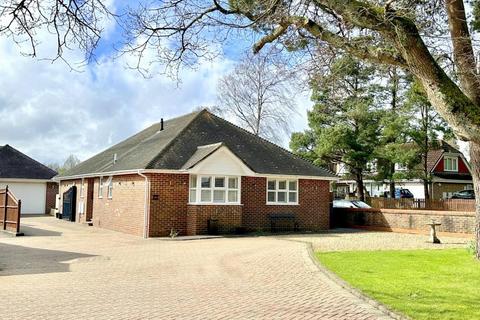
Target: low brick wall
{"points": [[229, 218], [397, 219]]}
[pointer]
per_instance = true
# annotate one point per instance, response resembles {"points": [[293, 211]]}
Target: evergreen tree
{"points": [[345, 120]]}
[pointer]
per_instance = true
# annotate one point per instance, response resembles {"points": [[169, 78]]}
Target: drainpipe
{"points": [[146, 212]]}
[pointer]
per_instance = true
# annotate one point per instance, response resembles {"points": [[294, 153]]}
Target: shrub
{"points": [[472, 247]]}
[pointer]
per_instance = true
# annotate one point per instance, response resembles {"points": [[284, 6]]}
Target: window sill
{"points": [[282, 204], [213, 204]]}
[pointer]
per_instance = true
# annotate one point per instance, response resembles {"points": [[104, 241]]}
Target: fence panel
{"points": [[10, 211], [465, 205]]}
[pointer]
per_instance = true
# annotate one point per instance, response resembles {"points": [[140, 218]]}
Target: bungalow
{"points": [[29, 180], [198, 169]]}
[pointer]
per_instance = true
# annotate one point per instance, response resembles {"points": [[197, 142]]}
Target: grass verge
{"points": [[422, 284]]}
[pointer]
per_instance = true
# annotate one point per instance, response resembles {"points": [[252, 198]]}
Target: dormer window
{"points": [[450, 164]]}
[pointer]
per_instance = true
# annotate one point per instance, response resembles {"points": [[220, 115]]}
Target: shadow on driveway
{"points": [[30, 231], [18, 260]]}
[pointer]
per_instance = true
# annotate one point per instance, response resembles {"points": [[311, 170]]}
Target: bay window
{"points": [[282, 191], [214, 189]]}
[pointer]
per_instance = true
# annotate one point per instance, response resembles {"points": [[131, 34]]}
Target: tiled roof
{"points": [[16, 165], [178, 144]]}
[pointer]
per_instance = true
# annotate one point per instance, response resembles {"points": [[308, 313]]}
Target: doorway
{"points": [[89, 212]]}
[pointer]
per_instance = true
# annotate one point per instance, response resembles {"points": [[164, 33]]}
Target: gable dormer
{"points": [[451, 163]]}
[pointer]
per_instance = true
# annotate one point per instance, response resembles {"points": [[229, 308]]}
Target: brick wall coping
{"points": [[412, 211]]}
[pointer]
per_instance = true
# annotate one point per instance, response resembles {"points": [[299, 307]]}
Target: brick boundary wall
{"points": [[229, 218], [312, 212], [51, 196], [404, 220]]}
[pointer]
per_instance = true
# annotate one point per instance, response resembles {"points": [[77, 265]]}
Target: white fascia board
{"points": [[440, 180], [250, 173], [25, 180], [117, 173], [280, 176]]}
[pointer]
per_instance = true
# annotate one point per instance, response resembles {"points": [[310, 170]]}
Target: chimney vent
{"points": [[114, 158], [161, 124]]}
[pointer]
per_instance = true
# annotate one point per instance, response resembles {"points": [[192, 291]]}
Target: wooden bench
{"points": [[281, 222]]}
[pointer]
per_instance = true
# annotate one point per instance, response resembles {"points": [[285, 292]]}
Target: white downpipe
{"points": [[146, 205]]}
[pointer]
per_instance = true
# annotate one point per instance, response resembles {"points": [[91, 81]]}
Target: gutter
{"points": [[110, 173], [146, 208], [184, 171]]}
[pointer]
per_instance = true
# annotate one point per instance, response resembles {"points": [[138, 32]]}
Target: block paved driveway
{"points": [[60, 270]]}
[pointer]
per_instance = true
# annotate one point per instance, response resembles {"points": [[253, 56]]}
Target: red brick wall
{"points": [[312, 212], [398, 219], [168, 204], [124, 212], [169, 209], [51, 196], [229, 218]]}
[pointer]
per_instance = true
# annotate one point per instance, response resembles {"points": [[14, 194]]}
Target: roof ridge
{"points": [[150, 163], [28, 157], [274, 144]]}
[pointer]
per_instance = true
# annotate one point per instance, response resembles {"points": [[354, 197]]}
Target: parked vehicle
{"points": [[401, 193], [349, 204], [464, 194]]}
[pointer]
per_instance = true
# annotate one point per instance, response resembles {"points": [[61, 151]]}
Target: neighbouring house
{"points": [[450, 172], [29, 180], [194, 170]]}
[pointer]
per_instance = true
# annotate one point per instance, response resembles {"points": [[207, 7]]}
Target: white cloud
{"points": [[50, 112]]}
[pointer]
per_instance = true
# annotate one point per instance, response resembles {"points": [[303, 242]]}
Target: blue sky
{"points": [[49, 111]]}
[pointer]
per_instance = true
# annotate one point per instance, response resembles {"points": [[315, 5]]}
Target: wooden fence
{"points": [[424, 204], [10, 209]]}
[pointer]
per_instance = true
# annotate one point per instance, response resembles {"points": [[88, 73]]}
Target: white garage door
{"points": [[32, 195]]}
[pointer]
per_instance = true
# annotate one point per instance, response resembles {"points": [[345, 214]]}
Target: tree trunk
{"points": [[360, 189], [475, 166], [392, 189], [425, 189], [392, 181]]}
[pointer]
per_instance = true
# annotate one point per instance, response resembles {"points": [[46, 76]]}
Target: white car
{"points": [[349, 204]]}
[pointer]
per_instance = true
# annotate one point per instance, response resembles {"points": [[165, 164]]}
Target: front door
{"points": [[89, 213]]}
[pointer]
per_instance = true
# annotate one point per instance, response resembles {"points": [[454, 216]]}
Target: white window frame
{"points": [[287, 190], [82, 187], [100, 188], [110, 188], [454, 160], [226, 188]]}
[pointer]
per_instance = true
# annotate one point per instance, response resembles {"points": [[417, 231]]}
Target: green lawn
{"points": [[422, 284]]}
